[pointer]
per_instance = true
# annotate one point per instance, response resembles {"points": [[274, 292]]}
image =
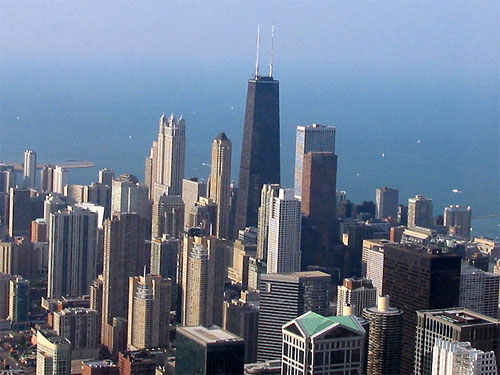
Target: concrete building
{"points": [[106, 176], [128, 195], [29, 169], [17, 257], [192, 190], [100, 194], [81, 327], [314, 344], [61, 179], [138, 362], [268, 192], [39, 230], [168, 216], [99, 367], [19, 212], [220, 181], [4, 294], [284, 297], [459, 358], [238, 270], [204, 215], [53, 354], [47, 178], [202, 350], [420, 212], [19, 301], [384, 343], [283, 252], [8, 177], [479, 290], [457, 220], [372, 261], [164, 254], [311, 138], [387, 200], [358, 294], [453, 324]]}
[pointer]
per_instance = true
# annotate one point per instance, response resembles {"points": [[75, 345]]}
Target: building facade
{"points": [[387, 200], [358, 293]]}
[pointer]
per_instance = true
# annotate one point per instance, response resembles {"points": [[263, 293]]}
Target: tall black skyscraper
{"points": [[260, 152]]}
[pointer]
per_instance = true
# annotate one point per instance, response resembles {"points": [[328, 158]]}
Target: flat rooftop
{"points": [[461, 317], [99, 363], [206, 336], [295, 276]]}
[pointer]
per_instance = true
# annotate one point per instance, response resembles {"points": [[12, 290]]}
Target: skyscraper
{"points": [[29, 170], [19, 212], [268, 191], [106, 176], [192, 190], [61, 179], [148, 312], [384, 343], [457, 220], [72, 252], [260, 152], [166, 164], [420, 212], [284, 297], [387, 203], [418, 278], [311, 138], [47, 178], [283, 254], [128, 195], [479, 290], [168, 216], [4, 294], [356, 293], [53, 354], [220, 180], [19, 300]]}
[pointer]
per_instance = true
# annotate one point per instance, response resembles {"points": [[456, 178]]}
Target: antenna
{"points": [[258, 47], [272, 53]]}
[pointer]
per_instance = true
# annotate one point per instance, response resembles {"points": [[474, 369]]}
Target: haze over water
{"points": [[90, 82]]}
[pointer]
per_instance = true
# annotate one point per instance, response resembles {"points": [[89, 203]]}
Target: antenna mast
{"points": [[272, 53], [258, 47]]}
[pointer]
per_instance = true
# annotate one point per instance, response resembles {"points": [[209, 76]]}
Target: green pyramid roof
{"points": [[314, 323]]}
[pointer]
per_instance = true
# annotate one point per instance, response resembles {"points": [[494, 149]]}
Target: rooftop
{"points": [[314, 323], [99, 363], [212, 335], [460, 317], [295, 276]]}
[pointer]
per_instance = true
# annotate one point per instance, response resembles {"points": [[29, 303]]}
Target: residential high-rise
{"points": [[311, 138], [260, 151], [53, 354], [61, 179], [4, 294], [418, 278], [137, 362], [192, 190], [16, 257], [420, 212], [164, 253], [479, 290], [80, 326], [19, 212], [100, 194], [387, 203], [19, 300], [384, 343], [238, 270], [457, 220], [220, 181], [72, 252], [201, 350], [39, 230], [8, 177], [168, 216], [283, 252], [314, 344], [457, 358], [124, 256], [128, 195], [99, 367], [47, 178], [29, 169], [106, 176], [268, 191], [167, 157], [372, 261], [204, 215], [148, 312], [455, 324], [357, 293], [283, 297]]}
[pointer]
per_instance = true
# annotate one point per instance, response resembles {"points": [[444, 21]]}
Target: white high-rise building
{"points": [[128, 195], [283, 252], [372, 261], [311, 138], [479, 290], [420, 212], [356, 293], [29, 170], [460, 358], [72, 252], [268, 191], [61, 179], [53, 354]]}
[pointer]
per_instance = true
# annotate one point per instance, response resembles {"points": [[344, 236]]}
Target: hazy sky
{"points": [[458, 36]]}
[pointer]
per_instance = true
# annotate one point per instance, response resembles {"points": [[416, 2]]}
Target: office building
{"points": [[283, 253], [372, 261], [238, 270], [106, 176], [99, 367], [268, 192], [284, 297], [192, 190], [19, 300], [260, 151], [357, 293], [138, 362], [164, 253], [8, 177], [311, 138], [19, 212], [17, 257], [241, 319], [168, 216], [47, 178], [314, 344], [124, 256], [387, 200], [100, 194], [457, 220], [220, 181], [201, 350], [418, 278], [61, 179], [457, 358], [420, 212], [249, 235], [479, 290], [148, 312], [204, 215], [72, 252], [166, 160], [455, 324], [29, 169], [80, 326], [128, 195], [39, 230], [53, 354], [384, 342], [4, 294]]}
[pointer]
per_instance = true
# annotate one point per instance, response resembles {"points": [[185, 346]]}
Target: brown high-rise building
{"points": [[220, 180], [39, 230], [418, 278], [99, 367], [138, 362]]}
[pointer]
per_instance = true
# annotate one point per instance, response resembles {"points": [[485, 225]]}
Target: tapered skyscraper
{"points": [[260, 152]]}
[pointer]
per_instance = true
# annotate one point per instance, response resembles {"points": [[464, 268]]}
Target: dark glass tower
{"points": [[260, 152]]}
